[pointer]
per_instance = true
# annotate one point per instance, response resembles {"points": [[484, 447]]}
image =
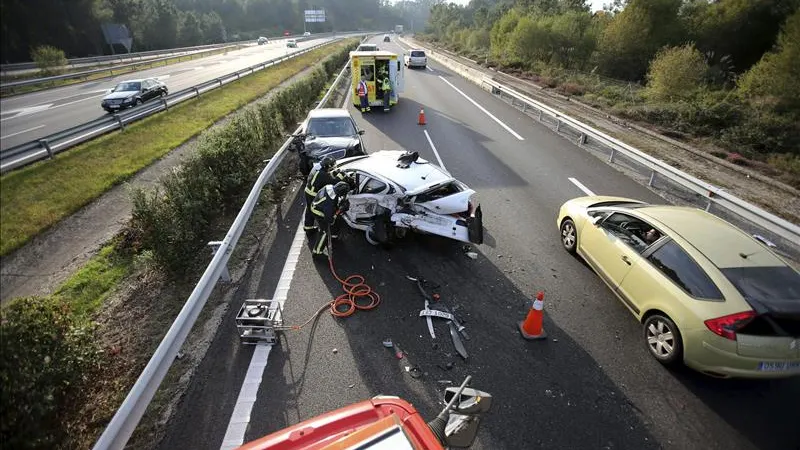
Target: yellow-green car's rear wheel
{"points": [[663, 339]]}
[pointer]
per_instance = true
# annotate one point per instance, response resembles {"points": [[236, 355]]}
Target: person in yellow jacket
{"points": [[386, 86]]}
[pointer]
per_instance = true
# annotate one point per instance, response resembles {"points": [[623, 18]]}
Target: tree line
{"points": [[725, 69], [74, 25]]}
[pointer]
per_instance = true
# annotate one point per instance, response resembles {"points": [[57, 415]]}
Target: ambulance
{"points": [[369, 66]]}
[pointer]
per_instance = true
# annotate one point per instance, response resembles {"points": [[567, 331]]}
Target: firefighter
{"points": [[363, 95], [321, 175], [330, 202]]}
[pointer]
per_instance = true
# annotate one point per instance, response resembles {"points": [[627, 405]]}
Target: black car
{"points": [[327, 132], [132, 93], [386, 38]]}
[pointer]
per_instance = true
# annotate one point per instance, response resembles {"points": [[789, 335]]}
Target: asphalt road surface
{"points": [[591, 385], [28, 117]]}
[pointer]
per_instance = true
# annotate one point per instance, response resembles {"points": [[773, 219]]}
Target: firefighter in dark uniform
{"points": [[321, 175], [330, 202]]}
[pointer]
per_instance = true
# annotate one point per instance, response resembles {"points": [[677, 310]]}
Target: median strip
{"points": [[36, 197]]}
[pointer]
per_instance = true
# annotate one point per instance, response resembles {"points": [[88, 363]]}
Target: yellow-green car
{"points": [[708, 294]]}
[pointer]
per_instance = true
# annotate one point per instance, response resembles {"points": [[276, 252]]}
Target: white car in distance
{"points": [[416, 58]]}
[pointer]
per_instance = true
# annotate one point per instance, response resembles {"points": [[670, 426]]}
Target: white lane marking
{"points": [[26, 111], [163, 77], [433, 147], [428, 68], [580, 185], [240, 418], [48, 107], [22, 132], [516, 135]]}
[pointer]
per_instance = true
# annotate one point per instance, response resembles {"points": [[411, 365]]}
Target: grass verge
{"points": [[36, 197], [59, 83]]}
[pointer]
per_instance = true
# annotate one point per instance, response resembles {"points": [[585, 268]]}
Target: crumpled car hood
{"points": [[319, 147]]}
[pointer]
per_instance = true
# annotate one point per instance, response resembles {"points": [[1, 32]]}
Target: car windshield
{"points": [[128, 86], [331, 126], [766, 285], [417, 53]]}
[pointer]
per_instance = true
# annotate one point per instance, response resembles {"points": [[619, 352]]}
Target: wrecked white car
{"points": [[397, 191]]}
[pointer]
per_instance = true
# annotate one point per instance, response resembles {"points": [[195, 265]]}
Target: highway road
{"points": [[28, 117], [591, 385]]}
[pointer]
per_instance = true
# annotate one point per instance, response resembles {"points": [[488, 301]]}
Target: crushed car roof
{"points": [[385, 163]]}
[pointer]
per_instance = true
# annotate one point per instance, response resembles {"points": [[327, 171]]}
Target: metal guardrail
{"points": [[713, 195], [110, 70], [73, 62], [48, 146], [124, 422], [4, 68]]}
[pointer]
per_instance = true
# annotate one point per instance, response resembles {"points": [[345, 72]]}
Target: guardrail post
{"points": [[196, 91], [45, 145], [611, 157], [225, 276], [119, 121], [164, 102], [652, 178], [558, 125], [582, 140], [524, 107], [540, 115]]}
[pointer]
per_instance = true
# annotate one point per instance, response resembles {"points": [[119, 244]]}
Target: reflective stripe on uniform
{"points": [[310, 185]]}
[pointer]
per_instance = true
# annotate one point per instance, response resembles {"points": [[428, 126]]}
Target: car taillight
{"points": [[727, 326]]}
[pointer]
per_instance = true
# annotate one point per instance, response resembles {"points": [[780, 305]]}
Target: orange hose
{"points": [[355, 288]]}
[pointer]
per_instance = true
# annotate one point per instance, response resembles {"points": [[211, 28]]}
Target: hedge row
{"points": [[177, 219], [45, 352]]}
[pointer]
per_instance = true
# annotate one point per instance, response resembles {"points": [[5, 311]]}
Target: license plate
{"points": [[779, 366], [113, 106]]}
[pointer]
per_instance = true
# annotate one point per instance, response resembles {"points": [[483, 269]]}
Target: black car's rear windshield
{"points": [[417, 53], [128, 87], [331, 126], [777, 286]]}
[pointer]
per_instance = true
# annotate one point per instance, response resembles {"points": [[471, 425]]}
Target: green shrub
{"points": [[48, 59], [176, 220], [676, 73], [45, 352]]}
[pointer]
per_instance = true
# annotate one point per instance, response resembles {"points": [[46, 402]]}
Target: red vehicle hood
{"points": [[322, 431]]}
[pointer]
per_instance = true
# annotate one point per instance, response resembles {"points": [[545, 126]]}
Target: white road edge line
{"points": [[240, 418], [516, 135], [433, 147], [22, 132], [580, 185]]}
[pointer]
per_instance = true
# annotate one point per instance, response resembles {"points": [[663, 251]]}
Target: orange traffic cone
{"points": [[531, 327], [422, 117]]}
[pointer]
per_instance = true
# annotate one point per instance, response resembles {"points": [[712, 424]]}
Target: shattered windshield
{"points": [[330, 127]]}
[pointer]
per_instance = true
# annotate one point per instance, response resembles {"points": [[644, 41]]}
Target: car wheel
{"points": [[663, 339], [569, 235], [137, 102]]}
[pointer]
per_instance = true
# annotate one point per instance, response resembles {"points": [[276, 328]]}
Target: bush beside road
{"points": [[712, 78]]}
